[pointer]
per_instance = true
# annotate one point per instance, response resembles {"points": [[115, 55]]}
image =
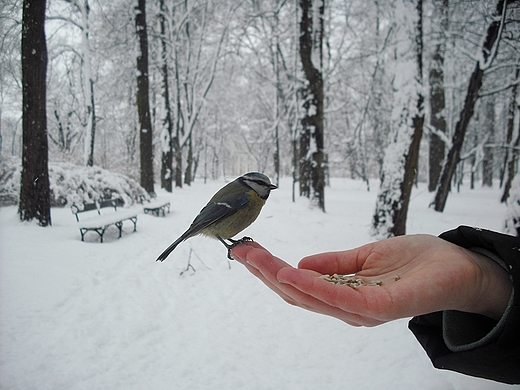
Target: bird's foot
{"points": [[243, 240], [233, 244]]}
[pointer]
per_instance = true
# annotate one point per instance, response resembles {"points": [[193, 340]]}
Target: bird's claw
{"points": [[243, 240], [234, 243]]}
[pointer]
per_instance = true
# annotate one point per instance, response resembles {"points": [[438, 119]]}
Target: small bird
{"points": [[233, 208]]}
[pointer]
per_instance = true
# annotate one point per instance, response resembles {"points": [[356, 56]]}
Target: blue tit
{"points": [[233, 208]]}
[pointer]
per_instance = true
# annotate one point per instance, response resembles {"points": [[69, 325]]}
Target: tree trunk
{"points": [[34, 192], [189, 163], [179, 127], [511, 167], [437, 99], [401, 156], [277, 97], [312, 169], [167, 123], [143, 104], [453, 157], [475, 83], [88, 83], [489, 130], [511, 109]]}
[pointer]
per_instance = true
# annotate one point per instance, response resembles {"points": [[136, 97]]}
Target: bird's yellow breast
{"points": [[237, 222]]}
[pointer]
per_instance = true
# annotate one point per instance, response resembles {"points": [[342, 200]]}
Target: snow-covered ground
{"points": [[85, 315]]}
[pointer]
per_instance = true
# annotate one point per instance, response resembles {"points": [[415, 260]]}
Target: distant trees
{"points": [[34, 192], [76, 17], [307, 88], [488, 54], [511, 156], [192, 34]]}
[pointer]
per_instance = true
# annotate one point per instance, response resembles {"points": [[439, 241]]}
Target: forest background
{"points": [[400, 90]]}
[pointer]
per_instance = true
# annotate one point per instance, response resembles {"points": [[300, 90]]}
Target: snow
{"points": [[85, 315]]}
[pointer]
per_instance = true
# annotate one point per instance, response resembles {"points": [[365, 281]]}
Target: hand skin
{"points": [[419, 273]]}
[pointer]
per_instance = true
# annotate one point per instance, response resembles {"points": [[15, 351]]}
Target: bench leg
{"points": [[100, 231], [134, 220], [120, 227]]}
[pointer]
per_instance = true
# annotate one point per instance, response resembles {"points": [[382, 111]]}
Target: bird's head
{"points": [[259, 183]]}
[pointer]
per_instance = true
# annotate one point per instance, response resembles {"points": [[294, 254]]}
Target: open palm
{"points": [[419, 274]]}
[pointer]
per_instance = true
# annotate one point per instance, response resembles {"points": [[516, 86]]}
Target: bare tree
{"points": [[437, 98], [34, 192], [90, 105], [402, 154], [191, 50], [511, 157], [489, 131], [511, 167], [199, 75], [143, 104], [488, 53], [166, 120], [84, 53], [312, 158]]}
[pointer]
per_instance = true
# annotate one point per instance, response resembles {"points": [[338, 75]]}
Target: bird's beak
{"points": [[272, 187]]}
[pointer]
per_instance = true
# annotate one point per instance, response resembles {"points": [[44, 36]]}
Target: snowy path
{"points": [[79, 315]]}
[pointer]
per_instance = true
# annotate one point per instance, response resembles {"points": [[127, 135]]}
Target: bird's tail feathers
{"points": [[169, 250]]}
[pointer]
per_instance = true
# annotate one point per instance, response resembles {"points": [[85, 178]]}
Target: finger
{"points": [[309, 302], [269, 268], [255, 258], [273, 286], [344, 262], [368, 302], [258, 257], [240, 252], [266, 267]]}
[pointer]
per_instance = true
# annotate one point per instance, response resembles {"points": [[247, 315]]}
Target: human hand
{"points": [[419, 274]]}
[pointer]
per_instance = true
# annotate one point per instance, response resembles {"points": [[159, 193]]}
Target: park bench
{"points": [[100, 222], [156, 206]]}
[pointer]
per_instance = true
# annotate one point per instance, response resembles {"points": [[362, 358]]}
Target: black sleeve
{"points": [[473, 344]]}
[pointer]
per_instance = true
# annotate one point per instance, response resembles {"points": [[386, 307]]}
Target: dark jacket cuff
{"points": [[470, 343]]}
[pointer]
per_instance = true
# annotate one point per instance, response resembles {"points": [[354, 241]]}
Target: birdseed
{"points": [[349, 280]]}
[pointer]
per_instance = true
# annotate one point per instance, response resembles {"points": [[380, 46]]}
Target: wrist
{"points": [[493, 287]]}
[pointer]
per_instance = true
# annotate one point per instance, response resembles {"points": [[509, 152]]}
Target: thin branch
{"points": [[498, 90]]}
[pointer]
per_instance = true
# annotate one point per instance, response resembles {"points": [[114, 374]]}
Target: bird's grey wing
{"points": [[214, 212]]}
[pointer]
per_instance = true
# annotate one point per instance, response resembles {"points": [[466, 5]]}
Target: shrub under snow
{"points": [[71, 183]]}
